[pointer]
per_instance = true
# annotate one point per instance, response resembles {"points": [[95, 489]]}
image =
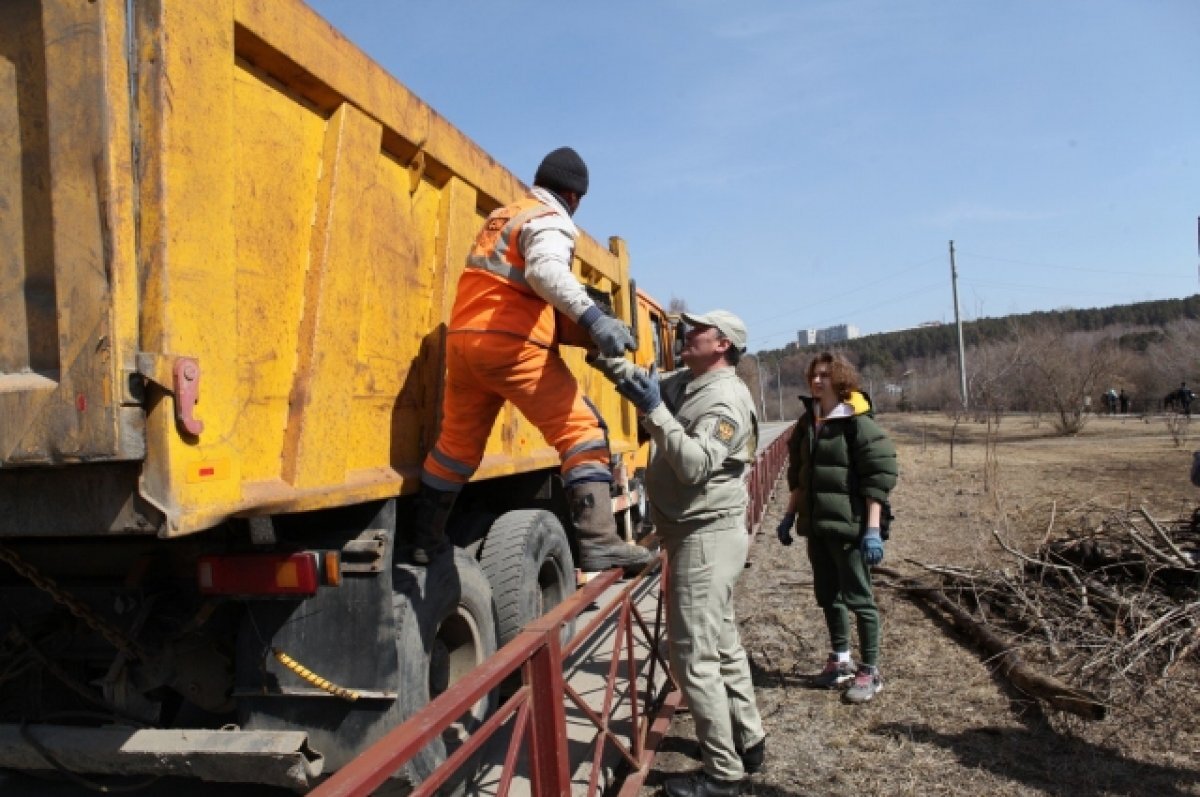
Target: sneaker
{"points": [[836, 673], [867, 684]]}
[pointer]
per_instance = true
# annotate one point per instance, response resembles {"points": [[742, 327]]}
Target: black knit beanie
{"points": [[563, 170]]}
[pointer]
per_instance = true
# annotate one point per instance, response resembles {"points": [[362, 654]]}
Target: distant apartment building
{"points": [[837, 334]]}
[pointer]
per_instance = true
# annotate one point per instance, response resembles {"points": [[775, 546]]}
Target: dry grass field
{"points": [[944, 723]]}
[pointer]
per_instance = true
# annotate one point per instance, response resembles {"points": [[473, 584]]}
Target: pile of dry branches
{"points": [[1087, 620]]}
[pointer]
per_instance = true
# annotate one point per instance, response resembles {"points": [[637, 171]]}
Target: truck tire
{"points": [[445, 627], [527, 560]]}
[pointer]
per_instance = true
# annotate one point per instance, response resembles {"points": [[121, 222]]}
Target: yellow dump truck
{"points": [[229, 242]]}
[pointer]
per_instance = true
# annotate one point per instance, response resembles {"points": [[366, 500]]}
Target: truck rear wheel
{"points": [[445, 627], [527, 560]]}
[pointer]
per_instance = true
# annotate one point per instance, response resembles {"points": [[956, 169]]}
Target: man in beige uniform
{"points": [[704, 430]]}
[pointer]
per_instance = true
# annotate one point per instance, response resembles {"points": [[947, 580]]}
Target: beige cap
{"points": [[730, 325]]}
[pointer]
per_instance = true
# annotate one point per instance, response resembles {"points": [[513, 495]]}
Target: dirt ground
{"points": [[943, 724]]}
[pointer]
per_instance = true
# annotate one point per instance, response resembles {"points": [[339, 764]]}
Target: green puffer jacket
{"points": [[833, 484]]}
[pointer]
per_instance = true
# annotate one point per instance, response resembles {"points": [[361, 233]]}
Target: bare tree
{"points": [[1067, 371], [749, 369], [1165, 363], [992, 380], [677, 305], [933, 385]]}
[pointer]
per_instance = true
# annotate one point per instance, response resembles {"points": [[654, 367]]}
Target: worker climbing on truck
{"points": [[502, 345]]}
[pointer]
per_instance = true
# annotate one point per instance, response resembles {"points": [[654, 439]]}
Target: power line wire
{"points": [[1067, 268]]}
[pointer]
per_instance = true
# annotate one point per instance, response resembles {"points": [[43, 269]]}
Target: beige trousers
{"points": [[707, 658]]}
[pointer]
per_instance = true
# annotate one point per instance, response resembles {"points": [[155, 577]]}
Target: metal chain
{"points": [[113, 635], [308, 675]]}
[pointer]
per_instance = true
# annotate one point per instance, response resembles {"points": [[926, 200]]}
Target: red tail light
{"points": [[259, 574]]}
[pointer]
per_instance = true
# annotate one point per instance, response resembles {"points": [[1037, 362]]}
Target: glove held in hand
{"points": [[871, 547], [611, 336], [641, 387]]}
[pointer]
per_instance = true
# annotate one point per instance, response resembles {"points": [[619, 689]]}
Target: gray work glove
{"points": [[611, 336], [871, 546], [641, 388], [784, 530]]}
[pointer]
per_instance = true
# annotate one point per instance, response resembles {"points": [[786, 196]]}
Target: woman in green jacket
{"points": [[842, 467]]}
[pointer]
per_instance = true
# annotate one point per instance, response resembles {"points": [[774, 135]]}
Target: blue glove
{"points": [[611, 336], [871, 547], [784, 530], [641, 388]]}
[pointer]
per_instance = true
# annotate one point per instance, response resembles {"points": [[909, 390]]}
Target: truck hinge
{"points": [[179, 376]]}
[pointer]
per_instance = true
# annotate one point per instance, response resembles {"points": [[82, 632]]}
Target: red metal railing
{"points": [[536, 711], [763, 476]]}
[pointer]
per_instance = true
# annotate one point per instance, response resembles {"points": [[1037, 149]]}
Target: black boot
{"points": [[701, 784], [600, 547], [754, 756], [429, 523]]}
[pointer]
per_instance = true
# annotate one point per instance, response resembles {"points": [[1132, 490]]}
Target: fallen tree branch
{"points": [[1008, 662], [1162, 534], [1050, 526], [1070, 571], [1154, 553]]}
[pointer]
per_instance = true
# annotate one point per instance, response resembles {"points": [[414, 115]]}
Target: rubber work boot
{"points": [[600, 547], [429, 523]]}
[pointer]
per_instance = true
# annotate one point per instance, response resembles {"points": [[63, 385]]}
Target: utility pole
{"points": [[762, 396], [779, 384], [962, 356]]}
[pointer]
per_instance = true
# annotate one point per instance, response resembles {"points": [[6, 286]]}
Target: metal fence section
{"points": [[535, 714], [768, 464]]}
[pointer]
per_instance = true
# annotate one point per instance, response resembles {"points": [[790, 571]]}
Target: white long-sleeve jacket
{"points": [[548, 243]]}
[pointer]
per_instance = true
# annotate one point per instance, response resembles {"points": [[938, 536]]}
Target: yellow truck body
{"points": [[229, 246], [271, 208]]}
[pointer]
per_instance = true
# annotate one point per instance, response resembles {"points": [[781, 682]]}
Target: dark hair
{"points": [[841, 373], [733, 355]]}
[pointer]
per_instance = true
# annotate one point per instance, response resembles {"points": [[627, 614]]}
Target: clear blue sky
{"points": [[805, 162]]}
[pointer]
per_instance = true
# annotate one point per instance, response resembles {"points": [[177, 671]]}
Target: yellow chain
{"points": [[113, 635], [313, 678]]}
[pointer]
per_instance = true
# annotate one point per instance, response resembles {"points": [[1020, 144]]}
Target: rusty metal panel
{"points": [[67, 284]]}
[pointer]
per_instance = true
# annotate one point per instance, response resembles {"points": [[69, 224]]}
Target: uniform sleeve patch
{"points": [[725, 429]]}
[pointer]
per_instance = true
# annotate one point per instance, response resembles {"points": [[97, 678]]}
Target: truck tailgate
{"points": [[67, 293]]}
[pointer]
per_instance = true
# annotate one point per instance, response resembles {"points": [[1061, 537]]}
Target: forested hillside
{"points": [[1056, 362], [887, 348]]}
